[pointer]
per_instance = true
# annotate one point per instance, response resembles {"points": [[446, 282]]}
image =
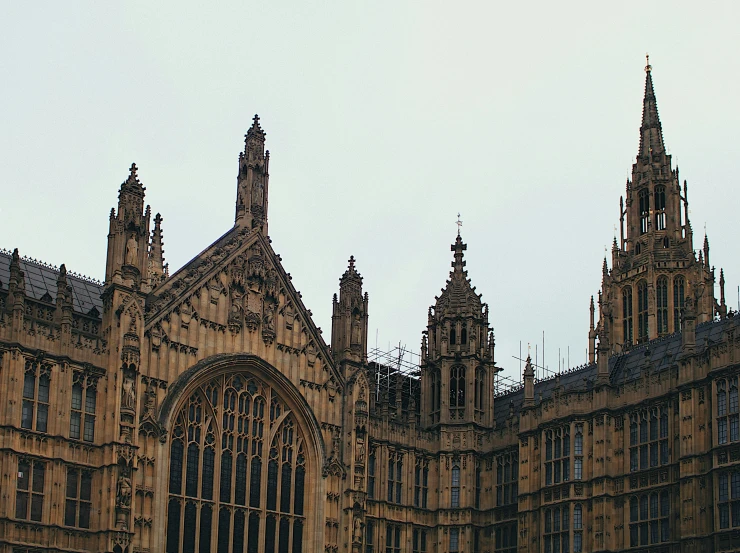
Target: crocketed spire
{"points": [[651, 131]]}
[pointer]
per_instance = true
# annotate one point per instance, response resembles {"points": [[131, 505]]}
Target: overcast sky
{"points": [[384, 120]]}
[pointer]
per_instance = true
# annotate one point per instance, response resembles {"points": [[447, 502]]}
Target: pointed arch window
{"points": [[464, 335], [649, 519], [557, 529], [644, 200], [506, 537], [436, 394], [479, 403], [662, 305], [217, 486], [507, 478], [728, 412], [455, 487], [36, 386], [627, 324], [457, 392], [642, 311], [660, 217], [577, 528], [649, 438], [421, 482], [679, 301], [82, 416], [557, 455]]}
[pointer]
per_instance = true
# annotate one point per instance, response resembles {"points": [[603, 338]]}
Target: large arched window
{"points": [[628, 327], [662, 305], [644, 210], [457, 392], [642, 311], [649, 519], [237, 471], [678, 301], [660, 208]]}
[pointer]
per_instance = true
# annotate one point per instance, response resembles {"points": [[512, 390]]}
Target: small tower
{"points": [[349, 318], [252, 181], [128, 235], [458, 371], [654, 267]]}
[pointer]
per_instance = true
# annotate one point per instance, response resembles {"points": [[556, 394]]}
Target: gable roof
{"points": [[41, 279]]}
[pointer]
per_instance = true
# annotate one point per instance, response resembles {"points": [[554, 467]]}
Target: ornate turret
{"points": [[458, 370], [252, 181], [128, 235], [349, 318], [654, 268]]}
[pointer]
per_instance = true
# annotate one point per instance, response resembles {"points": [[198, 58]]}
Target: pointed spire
{"points": [[593, 309], [157, 267], [706, 247], [651, 131]]}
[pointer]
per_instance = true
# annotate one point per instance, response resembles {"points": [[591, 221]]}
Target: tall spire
{"points": [[651, 132]]}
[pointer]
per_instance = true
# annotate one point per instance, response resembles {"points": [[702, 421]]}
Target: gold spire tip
{"points": [[648, 67]]}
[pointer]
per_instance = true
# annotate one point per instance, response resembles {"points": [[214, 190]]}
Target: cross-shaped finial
{"points": [[648, 67], [458, 223], [351, 261]]}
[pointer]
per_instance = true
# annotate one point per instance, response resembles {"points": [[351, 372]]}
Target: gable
{"points": [[242, 272]]}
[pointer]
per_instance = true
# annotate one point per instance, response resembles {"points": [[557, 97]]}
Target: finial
{"points": [[133, 170], [256, 120], [352, 262], [648, 67], [458, 223]]}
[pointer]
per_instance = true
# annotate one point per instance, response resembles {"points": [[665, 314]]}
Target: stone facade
{"points": [[203, 411]]}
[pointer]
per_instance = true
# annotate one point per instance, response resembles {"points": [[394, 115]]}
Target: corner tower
{"points": [[457, 362], [654, 266]]}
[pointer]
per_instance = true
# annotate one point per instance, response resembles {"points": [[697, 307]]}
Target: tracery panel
{"points": [[237, 470]]}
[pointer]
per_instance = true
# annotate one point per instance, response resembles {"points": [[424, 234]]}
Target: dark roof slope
{"points": [[654, 356], [41, 279]]}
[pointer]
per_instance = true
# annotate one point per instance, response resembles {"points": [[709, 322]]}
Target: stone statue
{"points": [[357, 531], [360, 457], [132, 251], [150, 400], [356, 330], [128, 393], [123, 490], [269, 318], [257, 193]]}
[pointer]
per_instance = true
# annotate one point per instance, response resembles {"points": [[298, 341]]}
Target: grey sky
{"points": [[383, 120]]}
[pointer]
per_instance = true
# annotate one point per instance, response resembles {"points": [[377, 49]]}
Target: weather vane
{"points": [[458, 223]]}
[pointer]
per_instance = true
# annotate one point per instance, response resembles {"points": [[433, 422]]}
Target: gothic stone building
{"points": [[203, 411]]}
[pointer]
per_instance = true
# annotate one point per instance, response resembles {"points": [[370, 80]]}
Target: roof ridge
{"points": [[46, 265]]}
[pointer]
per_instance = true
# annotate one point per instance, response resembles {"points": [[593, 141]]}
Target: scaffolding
{"points": [[397, 376]]}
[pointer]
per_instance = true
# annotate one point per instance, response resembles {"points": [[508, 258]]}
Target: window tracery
{"points": [[237, 471]]}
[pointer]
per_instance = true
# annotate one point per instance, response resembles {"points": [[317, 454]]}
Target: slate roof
{"points": [[657, 355], [42, 279]]}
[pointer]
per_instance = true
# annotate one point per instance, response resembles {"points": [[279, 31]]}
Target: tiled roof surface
{"points": [[42, 279], [655, 356]]}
